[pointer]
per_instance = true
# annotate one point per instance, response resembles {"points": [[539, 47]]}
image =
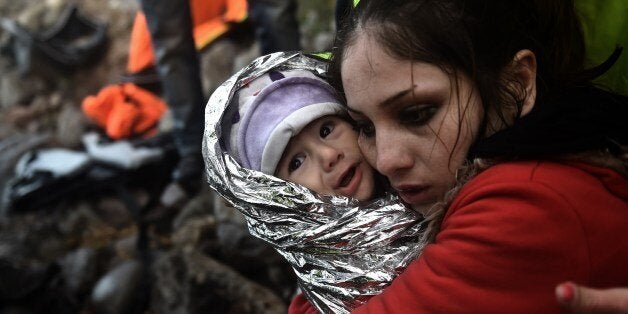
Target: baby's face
{"points": [[325, 157]]}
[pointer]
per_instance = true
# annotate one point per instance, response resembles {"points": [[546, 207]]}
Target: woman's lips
{"points": [[350, 181], [418, 194]]}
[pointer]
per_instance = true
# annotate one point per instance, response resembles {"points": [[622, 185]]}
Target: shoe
{"points": [[188, 173]]}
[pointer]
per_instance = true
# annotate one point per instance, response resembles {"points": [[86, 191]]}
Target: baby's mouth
{"points": [[346, 179]]}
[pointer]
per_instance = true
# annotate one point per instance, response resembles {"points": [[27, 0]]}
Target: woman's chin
{"points": [[425, 210]]}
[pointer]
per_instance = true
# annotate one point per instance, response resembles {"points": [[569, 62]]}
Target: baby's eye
{"points": [[326, 130], [295, 163]]}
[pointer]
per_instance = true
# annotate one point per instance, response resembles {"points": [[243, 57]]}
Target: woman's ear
{"points": [[524, 71]]}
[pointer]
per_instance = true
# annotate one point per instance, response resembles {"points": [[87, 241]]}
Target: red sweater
{"points": [[510, 235]]}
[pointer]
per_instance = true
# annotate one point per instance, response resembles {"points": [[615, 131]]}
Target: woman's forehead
{"points": [[364, 63], [371, 75]]}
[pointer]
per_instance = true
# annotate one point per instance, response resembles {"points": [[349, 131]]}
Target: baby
{"points": [[293, 126]]}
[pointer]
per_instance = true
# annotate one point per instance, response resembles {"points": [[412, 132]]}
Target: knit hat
{"points": [[274, 108]]}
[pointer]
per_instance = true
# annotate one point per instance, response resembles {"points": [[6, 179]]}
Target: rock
{"points": [[50, 246], [80, 270], [114, 212], [19, 281], [119, 290], [254, 258], [226, 213], [126, 247], [72, 225], [200, 205], [16, 89], [195, 283], [71, 124], [195, 233], [241, 249], [40, 18], [34, 289]]}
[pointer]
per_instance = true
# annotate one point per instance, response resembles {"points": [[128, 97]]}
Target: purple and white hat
{"points": [[274, 108]]}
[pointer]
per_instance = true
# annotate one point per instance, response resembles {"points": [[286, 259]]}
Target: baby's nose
{"points": [[329, 156]]}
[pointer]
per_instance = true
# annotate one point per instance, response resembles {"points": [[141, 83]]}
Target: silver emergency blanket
{"points": [[342, 250]]}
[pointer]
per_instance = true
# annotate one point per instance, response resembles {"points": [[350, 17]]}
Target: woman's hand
{"points": [[580, 299]]}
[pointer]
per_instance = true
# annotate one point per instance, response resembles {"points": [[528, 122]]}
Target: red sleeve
{"points": [[300, 305], [503, 246]]}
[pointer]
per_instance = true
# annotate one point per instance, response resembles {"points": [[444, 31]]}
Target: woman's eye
{"points": [[325, 130], [418, 115], [365, 129], [295, 163]]}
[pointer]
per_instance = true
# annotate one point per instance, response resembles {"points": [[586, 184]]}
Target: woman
{"points": [[495, 91]]}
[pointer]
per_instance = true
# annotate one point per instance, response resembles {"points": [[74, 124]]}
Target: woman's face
{"points": [[415, 124], [325, 157]]}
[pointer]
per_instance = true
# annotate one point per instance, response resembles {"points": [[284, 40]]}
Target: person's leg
{"points": [[170, 25], [276, 25]]}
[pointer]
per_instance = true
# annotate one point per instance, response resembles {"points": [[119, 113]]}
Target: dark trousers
{"points": [[276, 25], [170, 26]]}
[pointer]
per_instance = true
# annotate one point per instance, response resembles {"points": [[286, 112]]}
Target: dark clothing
{"points": [[276, 25], [170, 26]]}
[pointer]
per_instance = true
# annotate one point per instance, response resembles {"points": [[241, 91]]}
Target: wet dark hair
{"points": [[478, 38]]}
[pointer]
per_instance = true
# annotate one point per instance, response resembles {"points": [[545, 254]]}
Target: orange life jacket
{"points": [[124, 110]]}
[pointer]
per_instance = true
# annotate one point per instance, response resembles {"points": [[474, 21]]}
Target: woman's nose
{"points": [[391, 155], [329, 156]]}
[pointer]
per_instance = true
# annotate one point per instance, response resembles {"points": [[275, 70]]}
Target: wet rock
{"points": [[51, 245], [196, 234], [168, 293], [254, 259], [34, 289], [71, 124], [126, 247], [226, 213], [114, 212], [34, 237], [241, 248], [39, 18], [80, 270], [39, 115], [17, 89], [19, 281], [195, 283], [118, 291], [72, 225], [200, 205]]}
